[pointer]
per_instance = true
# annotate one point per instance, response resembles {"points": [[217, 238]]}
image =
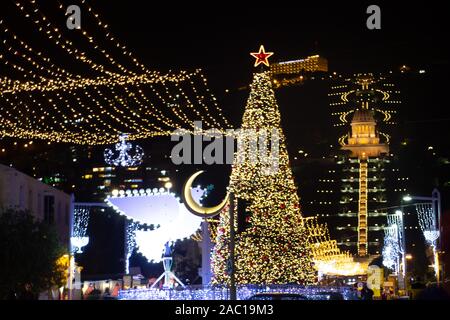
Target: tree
{"points": [[30, 253], [271, 245], [186, 260]]}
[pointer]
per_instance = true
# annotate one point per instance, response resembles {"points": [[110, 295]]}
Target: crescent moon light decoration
{"points": [[194, 207]]}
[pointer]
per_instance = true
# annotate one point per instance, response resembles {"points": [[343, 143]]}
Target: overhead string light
{"points": [[125, 51], [142, 102]]}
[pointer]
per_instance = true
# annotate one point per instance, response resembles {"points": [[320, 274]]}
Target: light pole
{"points": [[435, 200], [232, 270], [401, 232]]}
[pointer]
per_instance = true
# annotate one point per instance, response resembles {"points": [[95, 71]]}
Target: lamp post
{"points": [[232, 248], [401, 233], [435, 200]]}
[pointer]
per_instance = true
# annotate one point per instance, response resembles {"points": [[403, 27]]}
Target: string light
{"points": [[427, 222], [130, 242], [79, 239], [328, 258], [391, 248], [244, 292], [142, 102]]}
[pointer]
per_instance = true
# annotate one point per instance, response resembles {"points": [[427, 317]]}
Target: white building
{"points": [[19, 191]]}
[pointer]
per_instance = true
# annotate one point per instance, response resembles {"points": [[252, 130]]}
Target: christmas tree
{"points": [[271, 241]]}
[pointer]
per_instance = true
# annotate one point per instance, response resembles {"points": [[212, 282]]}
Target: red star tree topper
{"points": [[261, 56]]}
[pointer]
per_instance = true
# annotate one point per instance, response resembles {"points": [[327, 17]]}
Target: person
{"points": [[383, 293], [106, 294], [116, 290], [366, 293], [89, 290], [27, 294]]}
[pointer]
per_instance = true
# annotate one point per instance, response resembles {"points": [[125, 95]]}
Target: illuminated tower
{"points": [[364, 143]]}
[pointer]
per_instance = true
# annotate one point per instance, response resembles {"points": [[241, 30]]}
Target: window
{"points": [[21, 197], [67, 215], [49, 209], [59, 213], [30, 200]]}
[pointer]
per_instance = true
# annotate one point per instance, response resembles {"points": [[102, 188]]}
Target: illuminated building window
{"points": [[133, 180]]}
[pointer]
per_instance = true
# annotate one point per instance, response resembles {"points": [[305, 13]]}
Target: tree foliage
{"points": [[30, 253]]}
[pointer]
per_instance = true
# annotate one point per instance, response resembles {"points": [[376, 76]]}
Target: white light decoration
{"points": [[79, 239], [391, 248], [427, 222], [243, 292], [130, 242], [161, 209], [79, 243], [121, 156]]}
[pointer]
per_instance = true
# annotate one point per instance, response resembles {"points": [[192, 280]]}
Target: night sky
{"points": [[218, 37]]}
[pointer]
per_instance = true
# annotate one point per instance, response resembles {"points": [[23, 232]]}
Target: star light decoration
{"points": [[261, 56], [123, 158]]}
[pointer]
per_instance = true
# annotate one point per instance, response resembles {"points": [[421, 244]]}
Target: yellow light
{"points": [[168, 185]]}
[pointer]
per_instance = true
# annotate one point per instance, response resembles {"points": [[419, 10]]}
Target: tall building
{"points": [[295, 72], [350, 186], [309, 64], [364, 145]]}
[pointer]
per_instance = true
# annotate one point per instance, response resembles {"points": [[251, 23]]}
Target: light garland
{"points": [[391, 248], [130, 242], [427, 222], [79, 239], [244, 292], [328, 258], [142, 102]]}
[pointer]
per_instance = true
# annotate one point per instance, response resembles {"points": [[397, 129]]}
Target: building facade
{"points": [[357, 180], [22, 192], [309, 64]]}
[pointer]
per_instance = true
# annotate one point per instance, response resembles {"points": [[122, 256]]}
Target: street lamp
{"points": [[435, 200], [407, 198]]}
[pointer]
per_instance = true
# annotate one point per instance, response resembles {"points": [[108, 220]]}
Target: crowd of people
{"points": [[92, 293]]}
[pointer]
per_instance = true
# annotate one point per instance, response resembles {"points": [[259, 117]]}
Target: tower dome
{"points": [[363, 116]]}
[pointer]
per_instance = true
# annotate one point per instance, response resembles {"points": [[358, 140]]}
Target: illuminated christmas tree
{"points": [[271, 241]]}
